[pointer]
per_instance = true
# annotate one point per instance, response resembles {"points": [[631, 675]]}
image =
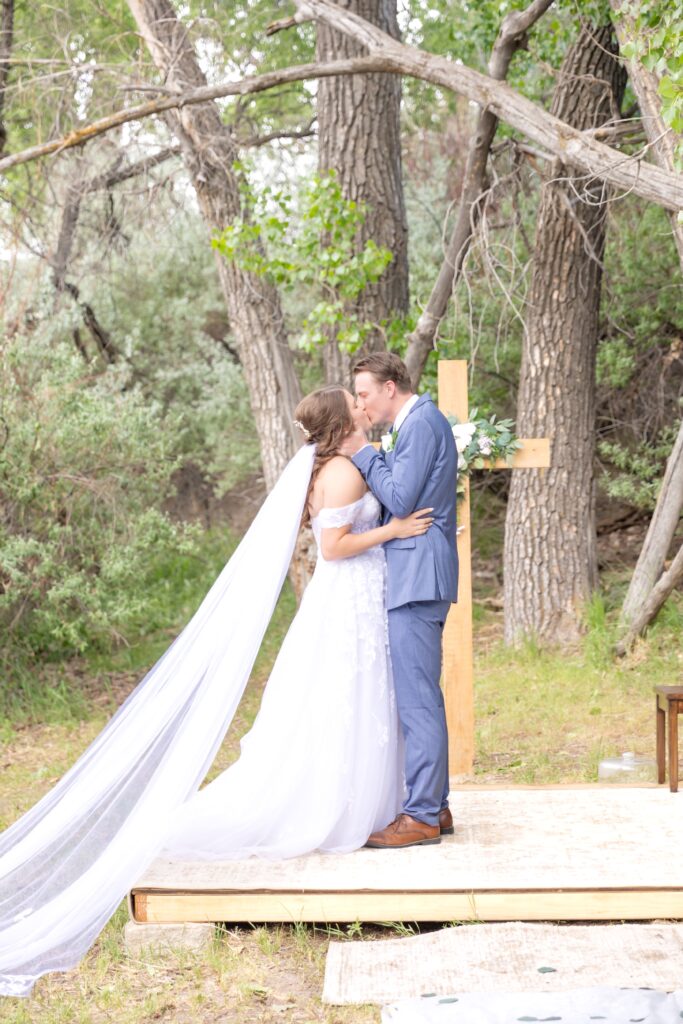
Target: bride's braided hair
{"points": [[325, 420]]}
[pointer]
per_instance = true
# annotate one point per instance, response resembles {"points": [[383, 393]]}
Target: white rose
{"points": [[463, 434], [387, 442], [485, 445]]}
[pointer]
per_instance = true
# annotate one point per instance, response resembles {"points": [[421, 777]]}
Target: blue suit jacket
{"points": [[420, 472]]}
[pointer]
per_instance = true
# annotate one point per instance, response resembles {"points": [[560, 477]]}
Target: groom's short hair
{"points": [[385, 366]]}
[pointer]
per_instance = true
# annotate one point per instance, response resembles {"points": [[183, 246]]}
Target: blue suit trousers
{"points": [[415, 635]]}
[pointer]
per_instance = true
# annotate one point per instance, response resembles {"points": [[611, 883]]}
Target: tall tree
{"points": [[359, 138], [550, 556], [6, 28], [253, 305]]}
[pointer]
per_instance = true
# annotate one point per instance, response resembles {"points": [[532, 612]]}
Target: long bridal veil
{"points": [[68, 862]]}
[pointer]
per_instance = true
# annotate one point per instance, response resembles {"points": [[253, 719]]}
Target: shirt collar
{"points": [[404, 411]]}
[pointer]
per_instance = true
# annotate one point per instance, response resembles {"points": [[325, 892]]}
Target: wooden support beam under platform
{"points": [[588, 853]]}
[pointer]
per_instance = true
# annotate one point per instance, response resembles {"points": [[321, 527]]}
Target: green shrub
{"points": [[85, 466]]}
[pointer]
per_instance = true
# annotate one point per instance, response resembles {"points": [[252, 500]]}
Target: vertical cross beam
{"points": [[458, 661]]}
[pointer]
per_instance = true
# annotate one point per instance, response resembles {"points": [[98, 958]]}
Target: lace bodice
{"points": [[363, 515]]}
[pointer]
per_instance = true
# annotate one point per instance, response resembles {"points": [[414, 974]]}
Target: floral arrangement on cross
{"points": [[481, 442]]}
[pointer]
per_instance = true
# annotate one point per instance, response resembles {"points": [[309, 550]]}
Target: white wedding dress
{"points": [[322, 766], [319, 771]]}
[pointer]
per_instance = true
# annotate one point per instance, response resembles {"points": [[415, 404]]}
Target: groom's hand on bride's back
{"points": [[414, 525]]}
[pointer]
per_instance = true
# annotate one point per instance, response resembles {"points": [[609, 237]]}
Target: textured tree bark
{"points": [[6, 32], [660, 534], [653, 603], [550, 541], [511, 37], [359, 137], [254, 309], [59, 263]]}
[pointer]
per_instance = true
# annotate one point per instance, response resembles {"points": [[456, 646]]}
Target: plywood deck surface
{"points": [[507, 841]]}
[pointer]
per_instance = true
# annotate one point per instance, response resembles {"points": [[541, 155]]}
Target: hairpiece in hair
{"points": [[304, 430]]}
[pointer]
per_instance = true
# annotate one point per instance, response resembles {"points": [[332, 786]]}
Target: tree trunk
{"points": [[359, 138], [550, 540], [659, 536], [254, 309], [6, 32], [59, 263], [655, 600], [511, 37], [670, 500]]}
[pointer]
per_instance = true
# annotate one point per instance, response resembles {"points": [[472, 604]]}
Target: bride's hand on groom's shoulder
{"points": [[353, 443], [414, 525]]}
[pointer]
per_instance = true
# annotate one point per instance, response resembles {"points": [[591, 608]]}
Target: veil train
{"points": [[67, 863]]}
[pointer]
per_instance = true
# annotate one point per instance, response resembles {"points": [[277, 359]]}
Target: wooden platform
{"points": [[519, 854]]}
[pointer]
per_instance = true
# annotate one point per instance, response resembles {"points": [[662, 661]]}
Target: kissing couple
{"points": [[349, 747]]}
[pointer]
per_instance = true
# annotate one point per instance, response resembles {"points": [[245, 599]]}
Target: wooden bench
{"points": [[669, 701]]}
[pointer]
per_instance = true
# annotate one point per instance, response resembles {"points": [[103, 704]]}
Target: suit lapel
{"points": [[422, 400]]}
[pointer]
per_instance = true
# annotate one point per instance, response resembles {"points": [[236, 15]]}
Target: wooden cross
{"points": [[458, 668]]}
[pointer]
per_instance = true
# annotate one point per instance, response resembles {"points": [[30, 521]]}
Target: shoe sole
{"points": [[448, 831], [402, 846]]}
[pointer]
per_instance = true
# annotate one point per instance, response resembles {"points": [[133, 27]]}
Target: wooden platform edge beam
{"points": [[538, 905]]}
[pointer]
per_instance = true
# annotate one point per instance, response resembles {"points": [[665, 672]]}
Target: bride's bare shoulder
{"points": [[340, 483]]}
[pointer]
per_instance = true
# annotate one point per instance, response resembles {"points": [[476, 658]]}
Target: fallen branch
{"points": [[571, 146], [657, 597]]}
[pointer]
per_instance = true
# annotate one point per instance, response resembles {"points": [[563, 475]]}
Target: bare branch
{"points": [[261, 140], [115, 176], [191, 97], [283, 23], [390, 56], [511, 38]]}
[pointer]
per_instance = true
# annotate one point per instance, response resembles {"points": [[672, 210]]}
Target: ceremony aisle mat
{"points": [[513, 957], [578, 1006], [560, 853]]}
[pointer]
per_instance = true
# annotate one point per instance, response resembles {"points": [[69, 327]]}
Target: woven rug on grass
{"points": [[579, 1006], [511, 957]]}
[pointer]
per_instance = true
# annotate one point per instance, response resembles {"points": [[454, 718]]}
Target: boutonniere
{"points": [[389, 441]]}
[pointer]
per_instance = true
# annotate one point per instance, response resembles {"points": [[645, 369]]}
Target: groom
{"points": [[417, 468]]}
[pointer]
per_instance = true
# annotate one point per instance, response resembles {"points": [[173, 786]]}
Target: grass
{"points": [[545, 717], [542, 717]]}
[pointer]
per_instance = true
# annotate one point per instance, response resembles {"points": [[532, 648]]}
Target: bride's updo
{"points": [[325, 420]]}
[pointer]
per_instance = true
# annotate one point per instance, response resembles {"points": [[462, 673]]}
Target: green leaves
{"points": [[657, 41], [84, 470], [309, 241], [481, 442], [633, 474]]}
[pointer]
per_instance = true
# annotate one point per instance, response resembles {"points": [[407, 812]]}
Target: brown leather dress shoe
{"points": [[446, 822], [404, 831]]}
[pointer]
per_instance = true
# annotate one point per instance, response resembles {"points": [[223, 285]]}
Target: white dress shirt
{"points": [[405, 409]]}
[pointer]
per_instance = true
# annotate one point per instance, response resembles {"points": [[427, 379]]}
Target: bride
{"points": [[321, 768]]}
